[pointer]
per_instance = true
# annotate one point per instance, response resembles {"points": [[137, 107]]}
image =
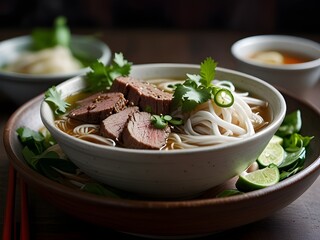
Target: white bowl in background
{"points": [[20, 87], [174, 173], [293, 77]]}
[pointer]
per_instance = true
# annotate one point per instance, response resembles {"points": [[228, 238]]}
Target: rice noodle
{"points": [[210, 124], [57, 59]]}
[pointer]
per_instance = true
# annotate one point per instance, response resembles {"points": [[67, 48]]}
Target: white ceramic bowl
{"points": [[293, 77], [174, 173], [20, 87]]}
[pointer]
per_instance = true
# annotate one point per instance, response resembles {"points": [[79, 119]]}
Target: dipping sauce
{"points": [[278, 58]]}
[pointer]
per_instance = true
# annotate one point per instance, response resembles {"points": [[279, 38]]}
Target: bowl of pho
{"points": [[32, 63], [162, 130]]}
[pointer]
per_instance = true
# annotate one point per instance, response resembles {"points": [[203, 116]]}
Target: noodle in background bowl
{"points": [[20, 87], [174, 173]]}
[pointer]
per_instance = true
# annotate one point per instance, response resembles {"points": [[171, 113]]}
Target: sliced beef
{"points": [[97, 108], [139, 133], [148, 97], [112, 126], [89, 99]]}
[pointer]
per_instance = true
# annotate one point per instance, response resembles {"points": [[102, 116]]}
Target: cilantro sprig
{"points": [[101, 76], [47, 38], [162, 121], [198, 89], [53, 98]]}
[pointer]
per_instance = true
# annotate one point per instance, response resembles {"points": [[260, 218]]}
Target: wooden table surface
{"points": [[299, 220]]}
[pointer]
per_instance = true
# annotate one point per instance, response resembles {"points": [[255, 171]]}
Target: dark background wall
{"points": [[277, 16]]}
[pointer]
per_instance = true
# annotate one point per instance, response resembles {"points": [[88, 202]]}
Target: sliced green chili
{"points": [[223, 98]]}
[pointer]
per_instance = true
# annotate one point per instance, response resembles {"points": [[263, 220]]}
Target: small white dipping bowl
{"points": [[293, 77], [20, 87], [174, 173]]}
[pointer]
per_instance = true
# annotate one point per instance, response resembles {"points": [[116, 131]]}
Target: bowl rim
{"points": [[50, 185], [19, 77], [85, 144], [258, 39]]}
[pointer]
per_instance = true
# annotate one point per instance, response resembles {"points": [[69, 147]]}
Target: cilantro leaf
{"points": [[207, 71], [53, 97], [161, 121], [194, 77], [197, 89], [47, 38], [98, 78], [101, 77], [189, 95], [158, 122], [119, 60]]}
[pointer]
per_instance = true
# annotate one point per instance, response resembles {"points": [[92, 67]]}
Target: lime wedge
{"points": [[276, 139], [258, 179], [272, 154]]}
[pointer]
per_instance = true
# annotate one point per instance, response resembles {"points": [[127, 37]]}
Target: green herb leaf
{"points": [[198, 89], [53, 97], [48, 171], [158, 122], [189, 95], [292, 158], [296, 141], [291, 124], [30, 157], [207, 71], [293, 168], [47, 38], [34, 140], [101, 77], [161, 122]]}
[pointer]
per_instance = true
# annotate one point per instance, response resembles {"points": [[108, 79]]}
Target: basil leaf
{"points": [[291, 124]]}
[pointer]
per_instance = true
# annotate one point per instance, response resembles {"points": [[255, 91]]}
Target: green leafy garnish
{"points": [[49, 163], [189, 95], [294, 144], [295, 141], [291, 124], [54, 99], [207, 72], [161, 121], [47, 38], [198, 89], [101, 77], [35, 141]]}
